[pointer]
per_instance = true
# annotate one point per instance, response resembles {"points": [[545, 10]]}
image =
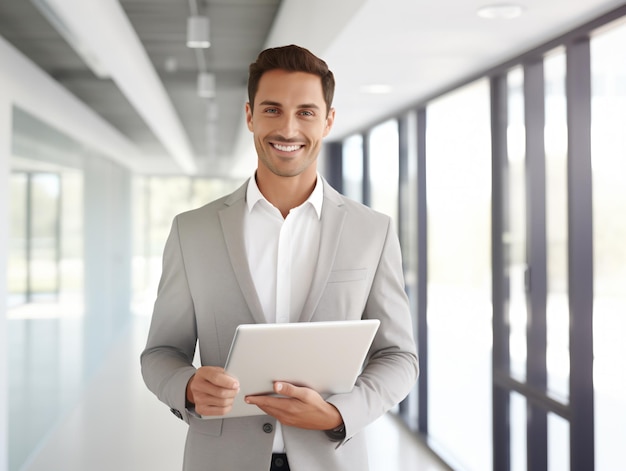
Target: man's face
{"points": [[289, 121]]}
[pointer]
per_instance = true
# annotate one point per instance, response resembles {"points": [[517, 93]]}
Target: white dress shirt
{"points": [[282, 254]]}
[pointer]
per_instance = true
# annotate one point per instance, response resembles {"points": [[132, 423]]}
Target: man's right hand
{"points": [[212, 391]]}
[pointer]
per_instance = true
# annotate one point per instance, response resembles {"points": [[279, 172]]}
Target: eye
{"points": [[270, 110], [307, 113]]}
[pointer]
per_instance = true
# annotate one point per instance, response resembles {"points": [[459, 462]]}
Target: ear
{"points": [[249, 116], [330, 120]]}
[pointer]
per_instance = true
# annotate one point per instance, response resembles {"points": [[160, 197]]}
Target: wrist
{"points": [[189, 400], [337, 431], [334, 418]]}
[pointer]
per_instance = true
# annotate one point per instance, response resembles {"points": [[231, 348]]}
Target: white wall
{"points": [[24, 85], [5, 147]]}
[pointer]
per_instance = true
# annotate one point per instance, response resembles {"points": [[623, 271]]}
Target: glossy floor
{"points": [[119, 425]]}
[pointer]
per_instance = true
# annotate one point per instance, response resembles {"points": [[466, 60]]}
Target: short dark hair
{"points": [[291, 58]]}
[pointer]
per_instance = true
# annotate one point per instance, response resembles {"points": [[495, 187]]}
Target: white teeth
{"points": [[286, 148]]}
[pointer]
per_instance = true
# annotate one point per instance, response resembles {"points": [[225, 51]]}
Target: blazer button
{"points": [[267, 428], [176, 413]]}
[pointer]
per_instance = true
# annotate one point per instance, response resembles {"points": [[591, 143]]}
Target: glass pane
{"points": [[17, 275], [557, 313], [352, 161], [558, 443], [515, 237], [44, 220], [384, 168], [458, 162], [72, 272], [46, 339], [518, 431], [608, 151]]}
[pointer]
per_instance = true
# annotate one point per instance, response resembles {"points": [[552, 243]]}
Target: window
{"points": [[45, 308], [352, 162], [458, 165], [35, 241], [608, 148], [557, 309], [515, 238], [18, 284], [383, 168]]}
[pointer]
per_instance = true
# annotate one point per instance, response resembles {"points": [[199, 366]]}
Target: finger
{"points": [[218, 391], [216, 396], [290, 390], [217, 376], [212, 410], [266, 401], [218, 403], [275, 406], [210, 399]]}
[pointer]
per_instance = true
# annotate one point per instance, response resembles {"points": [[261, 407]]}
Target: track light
{"points": [[198, 32], [206, 85]]}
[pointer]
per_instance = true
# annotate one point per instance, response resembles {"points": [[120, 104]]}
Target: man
{"points": [[285, 247]]}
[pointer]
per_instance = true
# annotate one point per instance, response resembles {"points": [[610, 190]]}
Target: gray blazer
{"points": [[206, 291]]}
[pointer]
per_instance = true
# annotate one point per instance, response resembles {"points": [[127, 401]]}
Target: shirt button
{"points": [[267, 428]]}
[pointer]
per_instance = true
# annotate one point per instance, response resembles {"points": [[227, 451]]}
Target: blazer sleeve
{"points": [[391, 369], [166, 362]]}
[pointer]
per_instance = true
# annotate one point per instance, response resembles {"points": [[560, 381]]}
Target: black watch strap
{"points": [[337, 434]]}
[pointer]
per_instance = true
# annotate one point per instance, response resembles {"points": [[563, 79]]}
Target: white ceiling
{"points": [[418, 47]]}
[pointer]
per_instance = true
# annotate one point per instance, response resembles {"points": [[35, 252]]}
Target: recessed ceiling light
{"points": [[502, 11], [171, 64], [376, 89]]}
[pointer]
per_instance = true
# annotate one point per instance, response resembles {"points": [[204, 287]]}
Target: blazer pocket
{"points": [[343, 276]]}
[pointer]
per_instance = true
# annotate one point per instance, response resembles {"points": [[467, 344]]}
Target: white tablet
{"points": [[324, 356]]}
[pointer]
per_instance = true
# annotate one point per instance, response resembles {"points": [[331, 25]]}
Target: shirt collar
{"points": [[316, 198]]}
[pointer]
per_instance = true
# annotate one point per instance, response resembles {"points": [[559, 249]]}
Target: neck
{"points": [[285, 193]]}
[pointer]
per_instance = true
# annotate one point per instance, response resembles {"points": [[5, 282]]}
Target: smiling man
{"points": [[288, 134], [285, 247]]}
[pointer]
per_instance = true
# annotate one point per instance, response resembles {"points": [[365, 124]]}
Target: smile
{"points": [[284, 148]]}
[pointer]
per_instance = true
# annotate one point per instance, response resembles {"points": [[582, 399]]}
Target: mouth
{"points": [[287, 148]]}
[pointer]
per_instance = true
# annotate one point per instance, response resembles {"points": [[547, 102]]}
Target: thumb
{"points": [[286, 389]]}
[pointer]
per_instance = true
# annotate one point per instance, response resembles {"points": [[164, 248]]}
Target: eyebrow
{"points": [[302, 106]]}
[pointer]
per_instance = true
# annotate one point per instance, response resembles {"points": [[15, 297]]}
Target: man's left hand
{"points": [[299, 407]]}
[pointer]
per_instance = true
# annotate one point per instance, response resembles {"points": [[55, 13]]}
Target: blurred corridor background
{"points": [[492, 134]]}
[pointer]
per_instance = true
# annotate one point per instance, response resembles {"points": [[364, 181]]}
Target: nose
{"points": [[288, 126]]}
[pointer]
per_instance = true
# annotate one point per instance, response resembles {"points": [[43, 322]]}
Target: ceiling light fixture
{"points": [[206, 85], [502, 11], [198, 32]]}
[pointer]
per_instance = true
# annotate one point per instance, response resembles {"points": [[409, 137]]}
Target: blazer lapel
{"points": [[333, 216], [231, 218]]}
